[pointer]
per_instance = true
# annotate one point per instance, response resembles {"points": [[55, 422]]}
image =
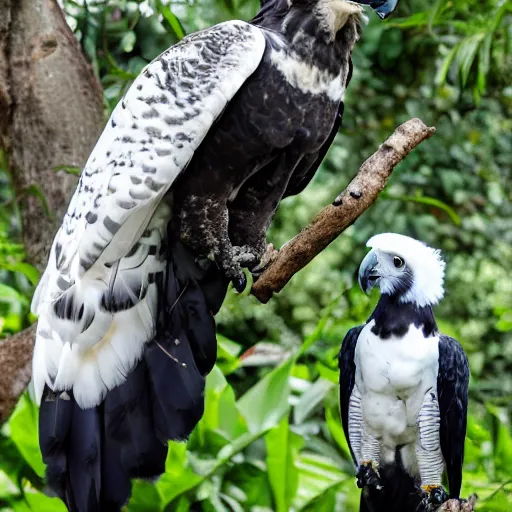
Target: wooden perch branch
{"points": [[361, 193], [329, 223], [458, 506]]}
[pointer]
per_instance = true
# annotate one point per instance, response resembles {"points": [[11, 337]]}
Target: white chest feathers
{"points": [[307, 77], [393, 376], [396, 365]]}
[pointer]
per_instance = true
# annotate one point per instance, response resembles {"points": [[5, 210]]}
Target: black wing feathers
{"points": [[347, 368], [310, 164], [92, 454], [452, 392]]}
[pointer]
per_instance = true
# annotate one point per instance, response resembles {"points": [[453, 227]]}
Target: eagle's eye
{"points": [[398, 262]]}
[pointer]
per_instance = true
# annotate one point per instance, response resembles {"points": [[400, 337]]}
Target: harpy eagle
{"points": [[174, 200], [403, 384]]}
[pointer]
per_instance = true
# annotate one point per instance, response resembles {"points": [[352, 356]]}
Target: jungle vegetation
{"points": [[271, 437]]}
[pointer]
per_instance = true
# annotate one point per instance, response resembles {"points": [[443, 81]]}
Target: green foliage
{"points": [[271, 438], [17, 277]]}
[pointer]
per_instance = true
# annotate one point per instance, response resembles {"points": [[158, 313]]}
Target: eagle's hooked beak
{"points": [[383, 8], [368, 274]]}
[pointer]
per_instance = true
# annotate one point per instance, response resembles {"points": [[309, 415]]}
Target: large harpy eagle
{"points": [[174, 200], [403, 384]]}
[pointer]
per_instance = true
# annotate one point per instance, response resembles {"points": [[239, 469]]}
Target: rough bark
{"points": [[459, 506], [52, 110], [360, 194], [51, 113]]}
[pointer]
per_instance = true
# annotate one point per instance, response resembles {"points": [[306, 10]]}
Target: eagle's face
{"points": [[387, 270], [334, 14], [382, 7], [403, 267]]}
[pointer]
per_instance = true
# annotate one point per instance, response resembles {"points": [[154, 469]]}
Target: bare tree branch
{"points": [[51, 114], [330, 222], [16, 369], [458, 506], [295, 255]]}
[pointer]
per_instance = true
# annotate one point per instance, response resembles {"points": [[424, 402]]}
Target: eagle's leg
{"points": [[428, 453], [355, 422], [203, 227], [368, 471], [248, 224], [251, 212]]}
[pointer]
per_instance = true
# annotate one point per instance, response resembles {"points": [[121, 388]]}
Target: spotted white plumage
{"points": [[97, 299]]}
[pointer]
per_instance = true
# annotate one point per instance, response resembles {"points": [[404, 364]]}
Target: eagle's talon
{"points": [[240, 283], [245, 256], [434, 497], [232, 260], [266, 260], [368, 476]]}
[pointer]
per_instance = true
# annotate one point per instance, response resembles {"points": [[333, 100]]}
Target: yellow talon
{"points": [[373, 465], [429, 488]]}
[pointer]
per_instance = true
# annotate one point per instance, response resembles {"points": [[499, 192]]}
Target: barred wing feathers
{"points": [[97, 299]]}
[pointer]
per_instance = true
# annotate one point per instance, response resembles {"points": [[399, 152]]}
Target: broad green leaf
{"points": [[447, 62], [227, 355], [466, 53], [431, 201], [145, 496], [26, 269], [503, 439], [183, 505], [316, 476], [7, 486], [178, 477], [333, 420], [328, 373], [23, 431], [173, 21], [282, 473], [310, 399], [38, 502], [8, 294], [266, 402], [418, 19], [221, 412]]}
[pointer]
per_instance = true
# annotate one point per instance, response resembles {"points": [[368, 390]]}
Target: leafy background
{"points": [[271, 438]]}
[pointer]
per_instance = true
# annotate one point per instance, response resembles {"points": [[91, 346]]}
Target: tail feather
{"points": [[200, 327], [127, 411], [55, 418], [84, 459], [92, 454], [115, 480], [177, 386]]}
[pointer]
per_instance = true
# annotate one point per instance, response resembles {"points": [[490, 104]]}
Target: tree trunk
{"points": [[51, 114]]}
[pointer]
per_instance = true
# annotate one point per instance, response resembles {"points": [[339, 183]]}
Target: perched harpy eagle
{"points": [[174, 200], [403, 384]]}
